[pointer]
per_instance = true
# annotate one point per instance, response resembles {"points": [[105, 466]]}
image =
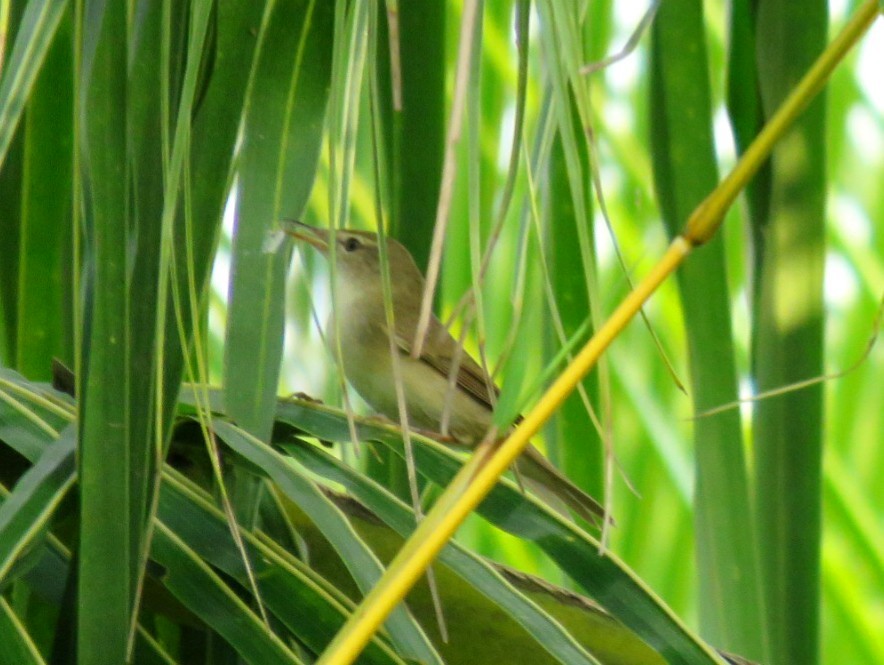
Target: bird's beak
{"points": [[316, 237]]}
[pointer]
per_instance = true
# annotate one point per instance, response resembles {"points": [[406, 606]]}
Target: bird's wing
{"points": [[441, 352]]}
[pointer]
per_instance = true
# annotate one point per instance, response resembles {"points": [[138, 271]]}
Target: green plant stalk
{"points": [[684, 171], [36, 30], [108, 519], [576, 443], [415, 133], [44, 217], [411, 35], [787, 338], [576, 439]]}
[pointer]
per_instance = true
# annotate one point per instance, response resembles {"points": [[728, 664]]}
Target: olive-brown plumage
{"points": [[465, 412]]}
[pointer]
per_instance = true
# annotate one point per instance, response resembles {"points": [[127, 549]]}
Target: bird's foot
{"points": [[303, 397], [428, 433]]}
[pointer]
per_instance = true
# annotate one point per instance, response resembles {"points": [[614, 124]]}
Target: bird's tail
{"points": [[540, 476]]}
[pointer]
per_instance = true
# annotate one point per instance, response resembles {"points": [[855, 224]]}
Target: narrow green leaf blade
{"points": [[605, 578], [684, 173], [414, 174], [44, 292], [357, 556], [35, 34], [284, 121], [787, 337], [196, 585], [26, 424], [288, 588], [28, 509], [215, 124], [16, 646], [105, 580], [478, 573]]}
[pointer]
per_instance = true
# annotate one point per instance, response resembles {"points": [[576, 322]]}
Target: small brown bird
{"points": [[360, 320]]}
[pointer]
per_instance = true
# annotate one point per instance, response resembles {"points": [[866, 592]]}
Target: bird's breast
{"points": [[431, 402]]}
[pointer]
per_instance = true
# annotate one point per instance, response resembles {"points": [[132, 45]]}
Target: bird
{"points": [[358, 321]]}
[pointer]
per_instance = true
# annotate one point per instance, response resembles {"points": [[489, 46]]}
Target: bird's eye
{"points": [[351, 244]]}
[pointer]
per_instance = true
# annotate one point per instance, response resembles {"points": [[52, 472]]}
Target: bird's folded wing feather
{"points": [[441, 353]]}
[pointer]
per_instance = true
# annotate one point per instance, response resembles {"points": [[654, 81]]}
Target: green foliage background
{"points": [[124, 129]]}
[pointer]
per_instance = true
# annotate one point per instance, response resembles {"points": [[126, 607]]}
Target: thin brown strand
{"points": [[806, 383], [464, 55]]}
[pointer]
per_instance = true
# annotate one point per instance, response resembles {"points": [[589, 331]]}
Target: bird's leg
{"points": [[304, 397], [381, 419], [438, 436]]}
